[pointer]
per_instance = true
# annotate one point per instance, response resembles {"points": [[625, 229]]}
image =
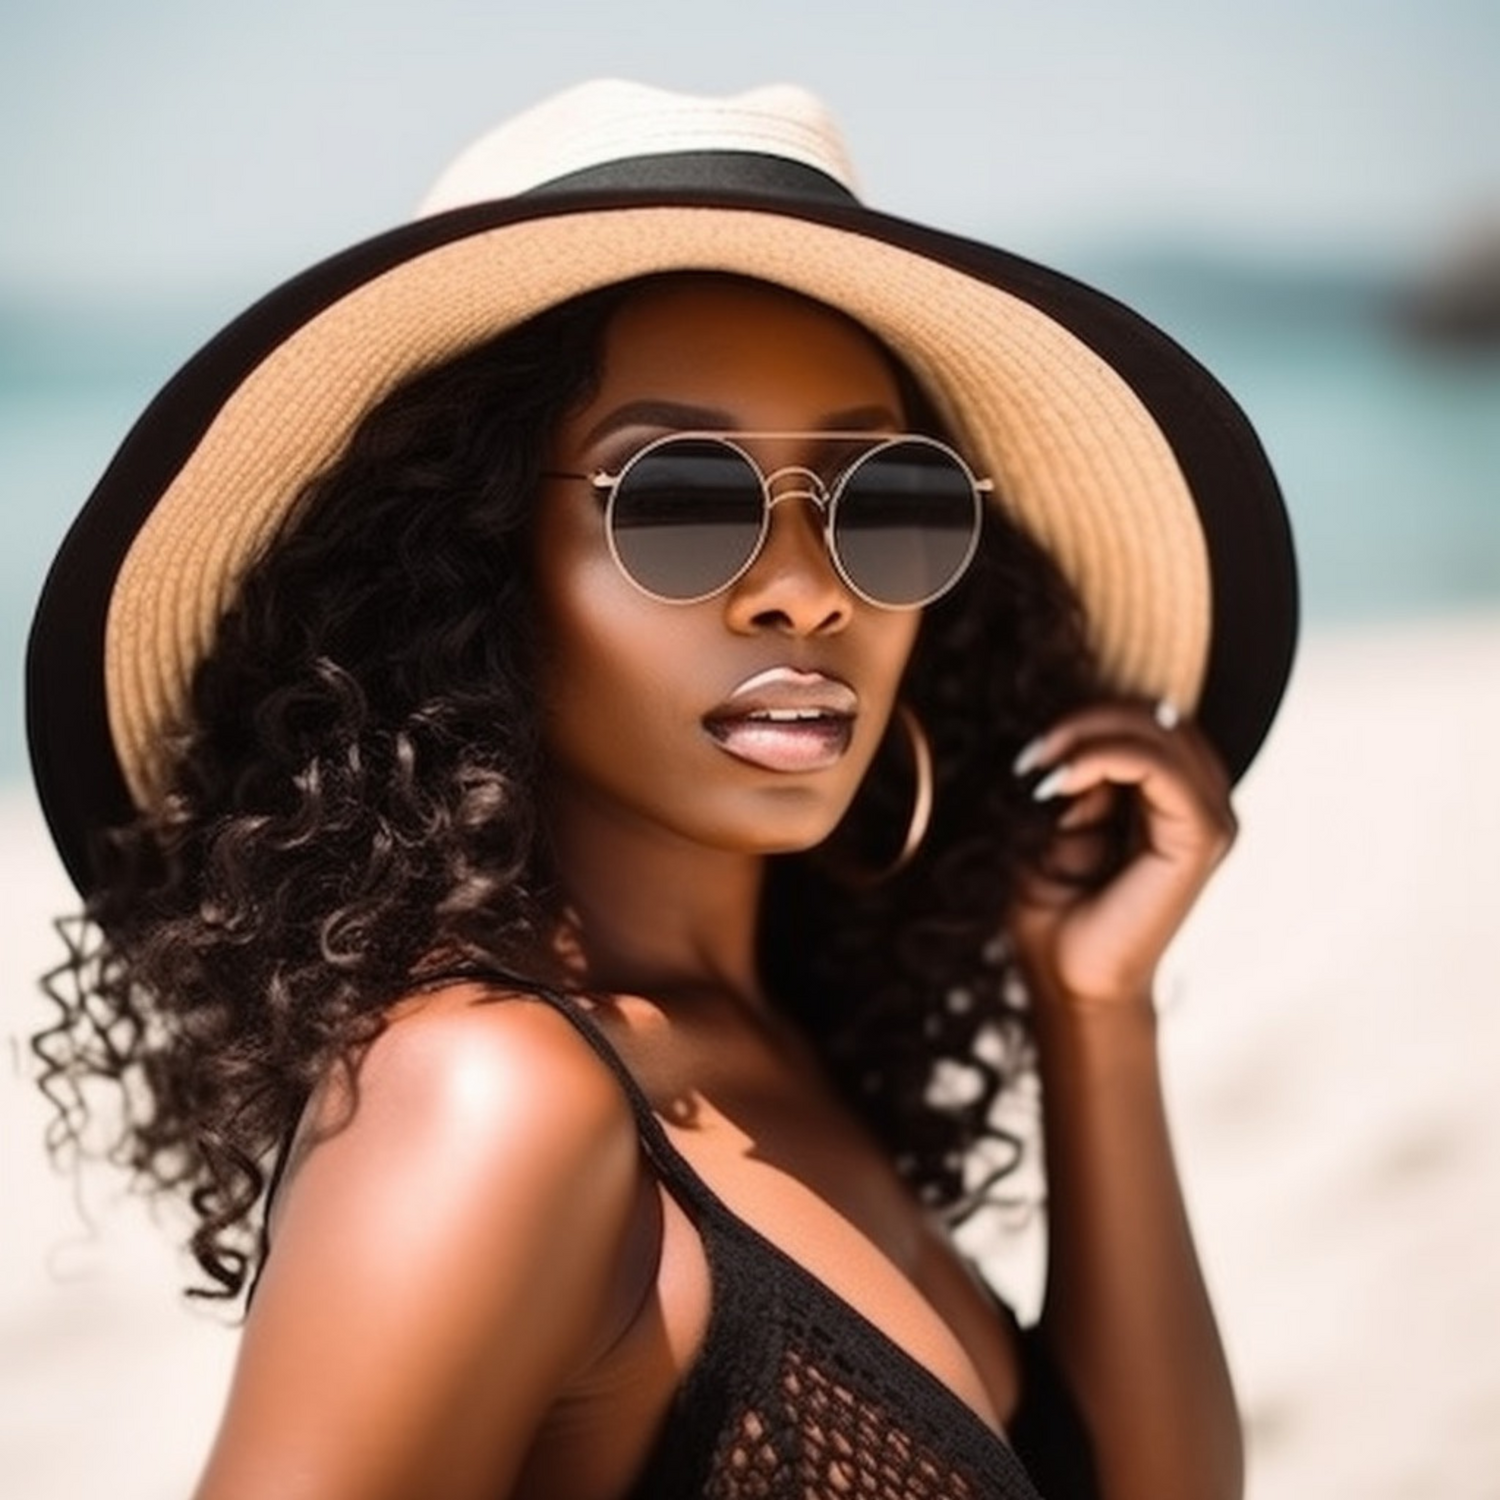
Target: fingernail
{"points": [[1051, 784], [1030, 756], [1166, 714]]}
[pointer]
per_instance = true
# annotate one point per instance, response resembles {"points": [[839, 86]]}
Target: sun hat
{"points": [[1106, 441]]}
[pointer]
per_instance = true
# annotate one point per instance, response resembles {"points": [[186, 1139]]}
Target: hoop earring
{"points": [[921, 808]]}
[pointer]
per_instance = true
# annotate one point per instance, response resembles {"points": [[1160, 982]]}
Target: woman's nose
{"points": [[792, 586]]}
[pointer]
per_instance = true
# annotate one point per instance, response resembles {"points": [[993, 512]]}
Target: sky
{"points": [[173, 145]]}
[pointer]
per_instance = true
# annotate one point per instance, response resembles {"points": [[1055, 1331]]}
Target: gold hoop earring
{"points": [[921, 809]]}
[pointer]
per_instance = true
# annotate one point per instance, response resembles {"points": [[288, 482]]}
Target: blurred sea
{"points": [[1388, 448]]}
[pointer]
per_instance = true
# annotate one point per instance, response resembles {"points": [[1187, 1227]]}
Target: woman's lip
{"points": [[810, 742], [786, 719], [788, 690]]}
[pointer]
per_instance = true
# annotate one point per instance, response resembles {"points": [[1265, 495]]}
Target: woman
{"points": [[614, 721]]}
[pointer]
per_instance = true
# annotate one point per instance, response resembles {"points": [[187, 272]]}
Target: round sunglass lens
{"points": [[686, 517], [907, 522]]}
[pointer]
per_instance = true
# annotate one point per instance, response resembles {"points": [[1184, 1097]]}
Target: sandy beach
{"points": [[1331, 1024]]}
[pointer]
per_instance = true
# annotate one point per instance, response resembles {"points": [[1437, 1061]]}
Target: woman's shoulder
{"points": [[475, 1047], [463, 1199], [491, 1084], [477, 1124]]}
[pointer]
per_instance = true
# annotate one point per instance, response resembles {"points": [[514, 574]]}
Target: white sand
{"points": [[1334, 1044], [1332, 1029]]}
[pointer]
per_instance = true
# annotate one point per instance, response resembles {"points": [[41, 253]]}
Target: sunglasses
{"points": [[688, 514]]}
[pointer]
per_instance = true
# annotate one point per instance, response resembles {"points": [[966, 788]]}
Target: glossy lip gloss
{"points": [[785, 719]]}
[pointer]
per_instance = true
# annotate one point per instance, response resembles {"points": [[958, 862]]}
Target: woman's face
{"points": [[743, 722]]}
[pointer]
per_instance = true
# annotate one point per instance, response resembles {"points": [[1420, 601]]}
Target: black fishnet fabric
{"points": [[815, 1437], [796, 1396]]}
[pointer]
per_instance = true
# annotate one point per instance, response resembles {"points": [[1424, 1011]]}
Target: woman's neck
{"points": [[650, 912]]}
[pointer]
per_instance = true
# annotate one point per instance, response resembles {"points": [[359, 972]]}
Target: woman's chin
{"points": [[777, 829]]}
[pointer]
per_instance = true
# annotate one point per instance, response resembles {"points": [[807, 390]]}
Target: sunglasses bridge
{"points": [[813, 487], [808, 485]]}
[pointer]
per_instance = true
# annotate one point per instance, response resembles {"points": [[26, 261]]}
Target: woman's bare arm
{"points": [[1126, 1311], [442, 1265]]}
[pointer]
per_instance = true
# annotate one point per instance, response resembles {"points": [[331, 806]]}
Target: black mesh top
{"points": [[795, 1395]]}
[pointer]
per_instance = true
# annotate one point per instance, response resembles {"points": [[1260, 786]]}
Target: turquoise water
{"points": [[1389, 452]]}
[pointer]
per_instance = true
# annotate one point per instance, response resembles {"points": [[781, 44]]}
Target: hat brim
{"points": [[1107, 441]]}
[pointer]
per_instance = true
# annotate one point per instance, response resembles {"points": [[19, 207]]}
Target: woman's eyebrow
{"points": [[872, 418], [683, 416], [667, 415]]}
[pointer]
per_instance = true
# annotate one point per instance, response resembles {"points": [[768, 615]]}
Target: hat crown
{"points": [[612, 120]]}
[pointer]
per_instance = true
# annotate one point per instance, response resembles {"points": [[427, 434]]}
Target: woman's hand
{"points": [[1081, 945]]}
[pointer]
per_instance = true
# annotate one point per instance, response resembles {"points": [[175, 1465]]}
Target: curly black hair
{"points": [[352, 809]]}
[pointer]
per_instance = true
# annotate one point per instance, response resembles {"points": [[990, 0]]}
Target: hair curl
{"points": [[352, 808]]}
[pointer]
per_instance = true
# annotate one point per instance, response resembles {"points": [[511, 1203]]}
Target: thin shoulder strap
{"points": [[671, 1167], [664, 1155], [666, 1160]]}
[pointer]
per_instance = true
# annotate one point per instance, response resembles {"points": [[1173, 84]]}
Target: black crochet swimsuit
{"points": [[796, 1396]]}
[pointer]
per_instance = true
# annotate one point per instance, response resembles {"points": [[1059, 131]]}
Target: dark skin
{"points": [[477, 1288]]}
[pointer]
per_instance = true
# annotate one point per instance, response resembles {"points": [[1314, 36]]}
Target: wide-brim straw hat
{"points": [[1106, 441]]}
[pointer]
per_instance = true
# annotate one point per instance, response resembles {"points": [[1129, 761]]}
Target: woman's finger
{"points": [[1178, 812], [1158, 723]]}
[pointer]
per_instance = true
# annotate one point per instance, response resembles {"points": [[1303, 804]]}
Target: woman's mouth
{"points": [[786, 720]]}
